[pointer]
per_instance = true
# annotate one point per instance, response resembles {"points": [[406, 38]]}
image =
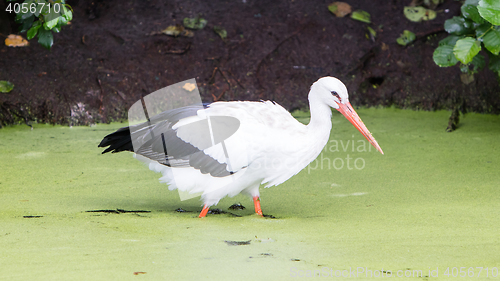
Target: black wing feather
{"points": [[180, 154], [117, 141]]}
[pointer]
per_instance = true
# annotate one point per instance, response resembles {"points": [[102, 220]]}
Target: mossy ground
{"points": [[432, 201]]}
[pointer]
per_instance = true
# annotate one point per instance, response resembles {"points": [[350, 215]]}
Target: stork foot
{"points": [[204, 211], [256, 202]]}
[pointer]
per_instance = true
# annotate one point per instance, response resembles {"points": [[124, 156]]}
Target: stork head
{"points": [[333, 92]]}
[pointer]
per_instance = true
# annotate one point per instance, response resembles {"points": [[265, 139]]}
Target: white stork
{"points": [[268, 147]]}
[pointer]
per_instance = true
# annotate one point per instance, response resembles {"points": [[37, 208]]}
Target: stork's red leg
{"points": [[256, 202], [204, 211]]}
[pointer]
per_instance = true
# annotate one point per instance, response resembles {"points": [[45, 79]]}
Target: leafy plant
{"points": [[406, 38], [41, 17], [478, 27]]}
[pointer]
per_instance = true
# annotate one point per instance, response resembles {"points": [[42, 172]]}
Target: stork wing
{"points": [[182, 138]]}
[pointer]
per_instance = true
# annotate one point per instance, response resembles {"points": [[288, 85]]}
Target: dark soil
{"points": [[110, 56]]}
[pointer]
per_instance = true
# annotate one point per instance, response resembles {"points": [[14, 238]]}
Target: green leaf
{"points": [[26, 24], [481, 30], [494, 63], [67, 14], [48, 25], [406, 38], [62, 21], [444, 57], [50, 18], [6, 86], [430, 15], [419, 13], [470, 12], [173, 30], [464, 68], [361, 15], [373, 33], [28, 14], [490, 10], [221, 31], [195, 23], [491, 41], [18, 18], [466, 49], [414, 13], [478, 62], [38, 10], [450, 40], [333, 8], [45, 10], [33, 30], [458, 26], [45, 38], [471, 2], [57, 28]]}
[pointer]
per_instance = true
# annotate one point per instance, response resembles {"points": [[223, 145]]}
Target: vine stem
{"points": [[491, 27]]}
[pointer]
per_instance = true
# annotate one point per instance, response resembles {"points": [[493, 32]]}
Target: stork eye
{"points": [[335, 94]]}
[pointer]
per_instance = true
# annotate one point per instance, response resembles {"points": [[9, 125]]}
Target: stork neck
{"points": [[321, 116]]}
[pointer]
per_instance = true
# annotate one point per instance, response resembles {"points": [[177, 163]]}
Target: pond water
{"points": [[429, 205]]}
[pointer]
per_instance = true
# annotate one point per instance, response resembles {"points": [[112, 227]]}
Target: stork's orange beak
{"points": [[352, 116]]}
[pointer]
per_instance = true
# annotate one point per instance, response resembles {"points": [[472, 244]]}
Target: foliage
{"points": [[340, 9], [372, 33], [361, 16], [478, 27], [6, 86], [220, 31], [41, 17], [195, 23], [176, 30], [418, 14], [406, 38]]}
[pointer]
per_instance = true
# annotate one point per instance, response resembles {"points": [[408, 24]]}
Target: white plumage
{"points": [[268, 147]]}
